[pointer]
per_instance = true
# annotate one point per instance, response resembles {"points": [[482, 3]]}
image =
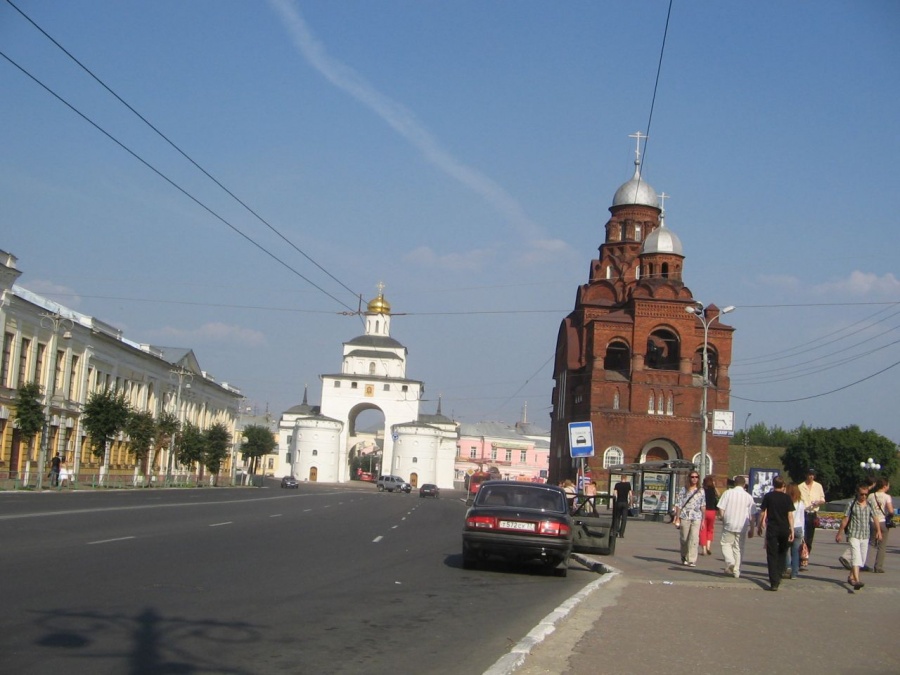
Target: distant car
{"points": [[519, 522], [290, 482], [393, 483], [429, 490]]}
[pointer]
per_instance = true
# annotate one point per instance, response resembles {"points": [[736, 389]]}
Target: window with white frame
{"points": [[709, 465], [613, 455]]}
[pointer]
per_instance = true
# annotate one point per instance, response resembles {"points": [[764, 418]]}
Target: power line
{"points": [[169, 180], [178, 149]]}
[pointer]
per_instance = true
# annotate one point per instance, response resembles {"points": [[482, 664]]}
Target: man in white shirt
{"points": [[735, 507]]}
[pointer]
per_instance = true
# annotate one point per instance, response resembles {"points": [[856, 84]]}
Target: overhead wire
{"points": [[179, 150], [169, 180]]}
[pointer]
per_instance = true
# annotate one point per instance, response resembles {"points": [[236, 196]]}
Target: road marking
{"points": [[275, 515], [106, 541], [395, 527], [306, 510], [218, 524], [377, 539]]}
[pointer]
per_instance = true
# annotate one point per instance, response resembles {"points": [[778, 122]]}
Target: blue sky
{"points": [[465, 154]]}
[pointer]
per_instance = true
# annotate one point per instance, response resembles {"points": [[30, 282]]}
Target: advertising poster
{"points": [[655, 497], [761, 481]]}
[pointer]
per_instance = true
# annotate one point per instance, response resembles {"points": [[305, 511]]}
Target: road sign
{"points": [[581, 439]]}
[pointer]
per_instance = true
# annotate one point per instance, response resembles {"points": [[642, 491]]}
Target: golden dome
{"points": [[379, 305]]}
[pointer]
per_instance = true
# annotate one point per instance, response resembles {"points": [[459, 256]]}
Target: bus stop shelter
{"points": [[654, 484]]}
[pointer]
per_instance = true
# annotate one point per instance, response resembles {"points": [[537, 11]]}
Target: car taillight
{"points": [[481, 522], [553, 528]]}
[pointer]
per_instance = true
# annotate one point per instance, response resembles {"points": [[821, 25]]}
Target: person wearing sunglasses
{"points": [[689, 509]]}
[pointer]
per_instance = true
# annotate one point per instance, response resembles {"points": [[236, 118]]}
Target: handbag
{"points": [[888, 518]]}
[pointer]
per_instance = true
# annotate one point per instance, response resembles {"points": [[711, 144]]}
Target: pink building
{"points": [[511, 452]]}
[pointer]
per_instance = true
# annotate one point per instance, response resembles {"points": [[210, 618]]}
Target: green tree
{"points": [[836, 455], [141, 430], [762, 435], [167, 425], [259, 442], [30, 412], [218, 443], [105, 415], [191, 446]]}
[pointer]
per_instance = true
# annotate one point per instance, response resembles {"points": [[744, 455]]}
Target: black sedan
{"points": [[429, 490], [519, 522], [289, 482]]}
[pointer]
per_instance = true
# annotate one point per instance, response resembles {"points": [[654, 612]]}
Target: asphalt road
{"points": [[324, 579]]}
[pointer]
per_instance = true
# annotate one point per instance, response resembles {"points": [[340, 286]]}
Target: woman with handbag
{"points": [[689, 508], [884, 512], [795, 551]]}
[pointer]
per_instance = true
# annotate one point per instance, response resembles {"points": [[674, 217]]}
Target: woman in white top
{"points": [[793, 492], [884, 508]]}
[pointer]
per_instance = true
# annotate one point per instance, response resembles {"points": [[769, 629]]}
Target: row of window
{"points": [[615, 455], [523, 454], [355, 385]]}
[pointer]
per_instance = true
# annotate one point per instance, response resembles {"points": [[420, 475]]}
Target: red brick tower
{"points": [[629, 356]]}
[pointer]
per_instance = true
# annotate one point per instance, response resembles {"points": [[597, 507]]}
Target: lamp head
{"points": [[728, 309]]}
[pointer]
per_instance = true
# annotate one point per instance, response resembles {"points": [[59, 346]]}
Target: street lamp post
{"points": [[870, 465], [182, 374], [54, 321], [746, 441], [699, 311]]}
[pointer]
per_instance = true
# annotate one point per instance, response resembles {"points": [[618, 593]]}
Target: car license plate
{"points": [[517, 525]]}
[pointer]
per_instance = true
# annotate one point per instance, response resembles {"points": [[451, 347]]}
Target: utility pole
{"points": [[53, 321], [699, 311], [185, 377], [746, 441]]}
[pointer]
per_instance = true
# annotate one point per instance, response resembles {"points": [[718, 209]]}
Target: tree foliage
{"points": [[30, 416], [836, 455], [764, 436], [259, 441], [191, 445], [105, 415], [218, 443], [167, 425], [141, 430]]}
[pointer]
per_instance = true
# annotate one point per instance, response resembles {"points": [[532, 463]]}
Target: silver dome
{"points": [[636, 191], [662, 240]]}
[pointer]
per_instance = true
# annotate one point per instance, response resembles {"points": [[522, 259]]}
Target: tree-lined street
{"points": [[320, 579]]}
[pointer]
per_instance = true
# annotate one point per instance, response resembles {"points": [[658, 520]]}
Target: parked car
{"points": [[290, 482], [429, 490], [392, 483], [519, 522]]}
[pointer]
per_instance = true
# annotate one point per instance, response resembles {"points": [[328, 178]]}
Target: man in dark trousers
{"points": [[621, 506], [54, 470], [777, 516]]}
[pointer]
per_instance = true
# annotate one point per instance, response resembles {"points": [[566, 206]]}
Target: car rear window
{"points": [[518, 496]]}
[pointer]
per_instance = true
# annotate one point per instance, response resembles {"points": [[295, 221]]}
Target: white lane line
{"points": [[377, 539], [403, 518], [395, 527], [106, 541], [306, 510], [275, 515], [227, 522]]}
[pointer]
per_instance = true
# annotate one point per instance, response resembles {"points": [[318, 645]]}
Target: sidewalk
{"points": [[657, 616]]}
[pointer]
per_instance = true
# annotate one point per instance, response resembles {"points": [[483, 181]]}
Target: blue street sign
{"points": [[581, 439]]}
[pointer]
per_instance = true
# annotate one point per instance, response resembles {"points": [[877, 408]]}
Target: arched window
{"points": [[670, 404], [618, 357], [712, 363], [609, 271], [616, 400], [709, 463], [613, 455], [665, 270], [637, 232], [660, 403], [371, 368], [663, 350], [651, 408]]}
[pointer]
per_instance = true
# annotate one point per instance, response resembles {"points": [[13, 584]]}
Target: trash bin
{"points": [[258, 481]]}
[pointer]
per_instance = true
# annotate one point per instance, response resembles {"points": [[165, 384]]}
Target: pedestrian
{"points": [[54, 470], [858, 521], [689, 508], [569, 488], [776, 515], [708, 524], [736, 506], [63, 474], [794, 553], [624, 496], [883, 505], [813, 495]]}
